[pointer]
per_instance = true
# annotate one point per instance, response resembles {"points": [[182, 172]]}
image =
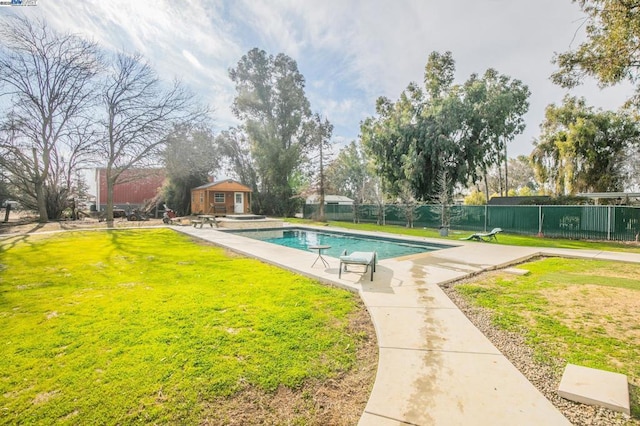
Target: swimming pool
{"points": [[302, 238]]}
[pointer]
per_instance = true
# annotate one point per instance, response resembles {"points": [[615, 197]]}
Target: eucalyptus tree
{"points": [[47, 79], [506, 103], [581, 149], [139, 112], [350, 174], [439, 74], [271, 102], [521, 175], [392, 137], [459, 130], [631, 167], [611, 52]]}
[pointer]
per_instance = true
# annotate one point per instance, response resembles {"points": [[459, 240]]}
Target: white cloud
{"points": [[165, 32], [192, 59], [350, 52], [275, 25]]}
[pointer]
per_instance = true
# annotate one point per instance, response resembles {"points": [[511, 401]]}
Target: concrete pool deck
{"points": [[435, 366]]}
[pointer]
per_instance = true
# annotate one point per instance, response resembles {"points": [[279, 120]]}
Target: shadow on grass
{"points": [[8, 227], [22, 238], [38, 226]]}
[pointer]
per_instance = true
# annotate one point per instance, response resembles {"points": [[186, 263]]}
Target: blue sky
{"points": [[350, 51]]}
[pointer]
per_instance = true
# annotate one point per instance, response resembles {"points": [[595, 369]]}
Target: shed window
{"points": [[218, 197], [201, 197]]}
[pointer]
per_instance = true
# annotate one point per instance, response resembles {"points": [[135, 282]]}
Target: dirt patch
{"points": [[30, 226], [338, 401], [612, 310], [44, 397]]}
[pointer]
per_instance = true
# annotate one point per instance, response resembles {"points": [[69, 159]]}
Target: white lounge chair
{"points": [[365, 258], [485, 236]]}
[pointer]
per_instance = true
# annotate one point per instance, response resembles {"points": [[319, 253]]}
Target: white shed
{"points": [[331, 199]]}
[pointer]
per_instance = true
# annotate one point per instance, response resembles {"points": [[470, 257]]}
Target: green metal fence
{"points": [[619, 223]]}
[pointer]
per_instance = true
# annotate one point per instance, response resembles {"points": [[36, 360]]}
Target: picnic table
{"points": [[204, 219]]}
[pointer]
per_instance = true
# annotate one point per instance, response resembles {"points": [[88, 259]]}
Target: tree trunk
{"points": [[356, 218], [321, 217], [506, 172], [42, 203], [109, 210], [322, 212], [7, 211], [39, 187], [486, 186]]}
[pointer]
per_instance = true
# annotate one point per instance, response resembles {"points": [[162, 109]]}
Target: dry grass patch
{"points": [[575, 311], [607, 310]]}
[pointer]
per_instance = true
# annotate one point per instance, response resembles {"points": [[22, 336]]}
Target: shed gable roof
{"points": [[227, 185], [329, 199]]}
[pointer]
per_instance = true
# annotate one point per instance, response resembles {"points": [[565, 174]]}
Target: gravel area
{"points": [[545, 378]]}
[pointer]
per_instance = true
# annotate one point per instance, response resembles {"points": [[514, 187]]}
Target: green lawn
{"points": [[146, 326], [583, 312]]}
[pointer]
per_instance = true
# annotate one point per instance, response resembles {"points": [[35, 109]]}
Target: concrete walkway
{"points": [[435, 367]]}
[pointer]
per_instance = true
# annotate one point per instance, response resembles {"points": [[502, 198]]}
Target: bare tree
{"points": [[236, 151], [48, 79], [442, 200], [320, 139], [140, 112], [17, 164], [408, 203]]}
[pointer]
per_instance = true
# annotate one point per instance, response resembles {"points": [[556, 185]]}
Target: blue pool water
{"points": [[302, 238]]}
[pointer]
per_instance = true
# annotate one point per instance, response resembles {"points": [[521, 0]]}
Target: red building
{"points": [[134, 189]]}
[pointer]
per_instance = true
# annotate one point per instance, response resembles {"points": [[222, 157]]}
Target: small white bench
{"points": [[365, 258]]}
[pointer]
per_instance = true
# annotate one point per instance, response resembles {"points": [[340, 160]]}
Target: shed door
{"points": [[238, 205]]}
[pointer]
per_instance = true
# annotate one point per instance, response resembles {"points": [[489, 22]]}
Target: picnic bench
{"points": [[218, 209], [204, 219]]}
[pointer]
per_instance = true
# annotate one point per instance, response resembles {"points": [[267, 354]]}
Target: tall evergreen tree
{"points": [[457, 130], [271, 102]]}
